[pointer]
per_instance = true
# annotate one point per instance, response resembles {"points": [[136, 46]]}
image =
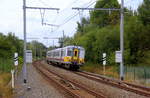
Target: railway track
{"points": [[141, 90], [76, 91]]}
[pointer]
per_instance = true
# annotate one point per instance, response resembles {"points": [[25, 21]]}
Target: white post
{"points": [[12, 78], [16, 64], [16, 59], [104, 62]]}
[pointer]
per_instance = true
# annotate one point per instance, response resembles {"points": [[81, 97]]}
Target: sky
{"points": [[11, 18]]}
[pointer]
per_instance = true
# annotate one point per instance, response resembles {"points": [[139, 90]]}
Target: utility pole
{"points": [[121, 31], [24, 29], [122, 40], [24, 50]]}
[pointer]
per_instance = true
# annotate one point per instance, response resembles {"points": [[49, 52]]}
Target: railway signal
{"points": [[121, 31]]}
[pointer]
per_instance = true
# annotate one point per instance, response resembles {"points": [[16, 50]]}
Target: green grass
{"points": [[110, 71], [135, 74], [5, 65], [5, 89], [5, 76]]}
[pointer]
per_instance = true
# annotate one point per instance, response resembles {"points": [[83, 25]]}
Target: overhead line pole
{"points": [[24, 30], [121, 31], [122, 40], [24, 50]]}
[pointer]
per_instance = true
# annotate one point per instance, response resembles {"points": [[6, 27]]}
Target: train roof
{"points": [[71, 46]]}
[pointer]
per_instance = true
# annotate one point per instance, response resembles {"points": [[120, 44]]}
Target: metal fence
{"points": [[138, 74]]}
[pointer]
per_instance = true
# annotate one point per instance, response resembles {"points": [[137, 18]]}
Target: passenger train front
{"points": [[71, 57]]}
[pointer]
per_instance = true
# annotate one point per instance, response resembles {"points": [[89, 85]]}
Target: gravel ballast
{"points": [[111, 92], [38, 86]]}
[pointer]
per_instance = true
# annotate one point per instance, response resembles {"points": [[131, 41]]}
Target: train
{"points": [[70, 57]]}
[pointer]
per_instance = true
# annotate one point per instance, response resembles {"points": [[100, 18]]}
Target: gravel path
{"points": [[40, 88], [107, 90]]}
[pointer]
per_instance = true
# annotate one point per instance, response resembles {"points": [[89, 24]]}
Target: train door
{"points": [[76, 54]]}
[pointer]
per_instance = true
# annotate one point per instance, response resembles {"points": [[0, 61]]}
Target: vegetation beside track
{"points": [[5, 76], [9, 44], [5, 89], [134, 74], [100, 33], [111, 71]]}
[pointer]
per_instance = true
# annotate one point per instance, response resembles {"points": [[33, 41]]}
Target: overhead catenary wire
{"points": [[45, 4], [72, 16], [70, 4], [68, 19]]}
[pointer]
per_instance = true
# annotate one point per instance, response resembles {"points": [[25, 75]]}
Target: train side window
{"points": [[64, 52], [54, 54], [61, 53], [57, 53]]}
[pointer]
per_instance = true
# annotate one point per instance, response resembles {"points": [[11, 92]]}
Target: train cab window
{"points": [[69, 53]]}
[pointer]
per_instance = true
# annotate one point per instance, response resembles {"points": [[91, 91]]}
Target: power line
{"points": [[45, 4], [69, 5], [78, 12], [65, 9], [69, 19], [90, 3], [72, 16]]}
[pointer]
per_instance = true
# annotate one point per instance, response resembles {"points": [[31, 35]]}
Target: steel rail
{"points": [[97, 94], [118, 81], [42, 71], [122, 85]]}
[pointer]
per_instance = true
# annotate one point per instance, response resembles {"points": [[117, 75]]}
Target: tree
{"points": [[10, 44], [38, 49], [84, 22], [103, 18], [144, 12]]}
